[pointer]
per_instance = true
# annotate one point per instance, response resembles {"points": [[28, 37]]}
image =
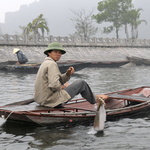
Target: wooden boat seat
{"points": [[129, 97]]}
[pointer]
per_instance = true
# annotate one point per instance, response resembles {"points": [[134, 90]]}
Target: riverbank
{"points": [[81, 54]]}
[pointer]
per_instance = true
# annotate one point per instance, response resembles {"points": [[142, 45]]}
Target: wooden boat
{"points": [[138, 60], [129, 103], [33, 68], [133, 103], [63, 66], [108, 64]]}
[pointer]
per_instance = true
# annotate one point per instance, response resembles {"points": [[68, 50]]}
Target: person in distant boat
{"points": [[22, 59], [51, 87]]}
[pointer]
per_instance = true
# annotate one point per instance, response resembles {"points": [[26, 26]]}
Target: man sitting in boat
{"points": [[51, 89], [22, 59]]}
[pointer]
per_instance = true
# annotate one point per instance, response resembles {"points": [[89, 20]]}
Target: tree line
{"points": [[119, 14]]}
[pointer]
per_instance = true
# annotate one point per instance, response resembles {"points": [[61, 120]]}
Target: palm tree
{"points": [[34, 26], [27, 30], [135, 22], [39, 23], [126, 7]]}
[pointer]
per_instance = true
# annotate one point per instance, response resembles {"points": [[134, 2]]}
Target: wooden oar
{"points": [[100, 118], [24, 102]]}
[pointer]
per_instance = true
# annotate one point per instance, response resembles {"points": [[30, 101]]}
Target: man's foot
{"points": [[101, 99], [102, 96]]}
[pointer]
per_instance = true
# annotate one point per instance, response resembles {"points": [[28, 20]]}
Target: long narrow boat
{"points": [[129, 103], [33, 67], [10, 66], [108, 64], [139, 60]]}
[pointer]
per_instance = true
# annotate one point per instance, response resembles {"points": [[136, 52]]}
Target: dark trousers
{"points": [[81, 87]]}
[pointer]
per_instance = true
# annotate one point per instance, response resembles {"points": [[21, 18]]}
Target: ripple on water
{"points": [[132, 134]]}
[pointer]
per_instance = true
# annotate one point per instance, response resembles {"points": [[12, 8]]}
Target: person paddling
{"points": [[22, 59]]}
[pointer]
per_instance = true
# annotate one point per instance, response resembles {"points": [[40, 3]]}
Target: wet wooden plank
{"points": [[129, 97]]}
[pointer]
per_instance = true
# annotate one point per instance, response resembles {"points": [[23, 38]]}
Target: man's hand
{"points": [[65, 85], [69, 71]]}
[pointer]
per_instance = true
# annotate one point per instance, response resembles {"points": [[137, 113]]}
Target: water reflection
{"points": [[17, 129], [35, 136]]}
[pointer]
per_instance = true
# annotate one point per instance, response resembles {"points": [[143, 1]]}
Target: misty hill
{"points": [[58, 14]]}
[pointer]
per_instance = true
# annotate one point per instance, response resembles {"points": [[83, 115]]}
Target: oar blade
{"points": [[100, 118]]}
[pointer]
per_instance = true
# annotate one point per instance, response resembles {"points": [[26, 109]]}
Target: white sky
{"points": [[11, 6], [14, 5]]}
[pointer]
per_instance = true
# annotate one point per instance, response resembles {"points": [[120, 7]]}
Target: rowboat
{"points": [[33, 67], [130, 103], [10, 66], [139, 60], [108, 64]]}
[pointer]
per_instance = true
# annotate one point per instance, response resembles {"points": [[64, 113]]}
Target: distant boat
{"points": [[108, 64], [33, 68], [138, 60], [63, 66]]}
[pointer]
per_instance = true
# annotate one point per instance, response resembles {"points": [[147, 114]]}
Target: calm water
{"points": [[124, 134]]}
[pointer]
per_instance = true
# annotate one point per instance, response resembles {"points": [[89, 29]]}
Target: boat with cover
{"points": [[130, 103]]}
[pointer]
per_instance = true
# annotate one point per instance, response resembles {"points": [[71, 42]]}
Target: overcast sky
{"points": [[14, 5], [11, 6]]}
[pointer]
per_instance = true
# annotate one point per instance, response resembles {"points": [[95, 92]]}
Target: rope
{"points": [[9, 115]]}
